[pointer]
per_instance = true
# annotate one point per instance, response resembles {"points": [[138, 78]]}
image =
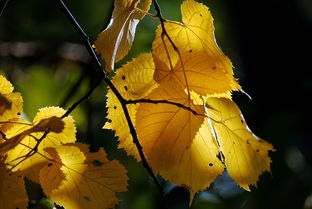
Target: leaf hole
{"points": [[115, 107], [109, 120], [210, 164]]}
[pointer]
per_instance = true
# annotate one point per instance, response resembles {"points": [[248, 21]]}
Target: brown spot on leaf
{"points": [[126, 88], [123, 77]]}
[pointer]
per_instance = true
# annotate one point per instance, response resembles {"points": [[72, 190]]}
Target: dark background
{"points": [[269, 43]]}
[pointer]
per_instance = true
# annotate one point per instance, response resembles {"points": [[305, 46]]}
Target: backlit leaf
{"points": [[115, 41], [11, 103], [200, 65], [134, 81], [74, 181], [12, 190], [246, 155], [165, 130], [26, 142]]}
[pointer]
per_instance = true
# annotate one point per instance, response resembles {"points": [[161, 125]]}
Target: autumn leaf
{"points": [[245, 155], [164, 130], [198, 166], [26, 142], [115, 41], [195, 61], [134, 81], [78, 179], [12, 190], [11, 103]]}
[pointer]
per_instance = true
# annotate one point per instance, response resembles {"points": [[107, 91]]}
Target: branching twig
{"points": [[176, 49], [123, 102]]}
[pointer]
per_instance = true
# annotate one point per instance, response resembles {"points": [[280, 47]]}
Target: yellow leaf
{"points": [[200, 65], [78, 179], [134, 81], [12, 190], [245, 155], [198, 165], [115, 41], [11, 103], [25, 148], [166, 130]]}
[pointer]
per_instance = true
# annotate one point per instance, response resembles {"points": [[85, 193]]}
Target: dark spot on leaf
{"points": [[123, 77], [115, 107], [86, 198], [18, 113], [242, 121], [187, 147], [214, 67], [233, 142], [126, 88], [210, 164], [109, 120], [50, 164], [9, 187], [248, 142], [97, 163], [190, 50], [257, 150], [200, 15]]}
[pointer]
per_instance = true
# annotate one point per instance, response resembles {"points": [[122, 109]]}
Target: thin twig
{"points": [[3, 4], [175, 48], [123, 102], [163, 102]]}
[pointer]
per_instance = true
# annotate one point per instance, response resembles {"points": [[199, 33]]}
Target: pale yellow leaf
{"points": [[82, 180], [115, 41], [246, 155]]}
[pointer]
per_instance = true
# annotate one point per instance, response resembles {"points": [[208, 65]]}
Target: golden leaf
{"points": [[25, 143], [197, 64], [78, 179], [245, 155], [115, 41], [134, 81], [165, 129]]}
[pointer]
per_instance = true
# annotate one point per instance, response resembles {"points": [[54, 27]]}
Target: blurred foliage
{"points": [[267, 42]]}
